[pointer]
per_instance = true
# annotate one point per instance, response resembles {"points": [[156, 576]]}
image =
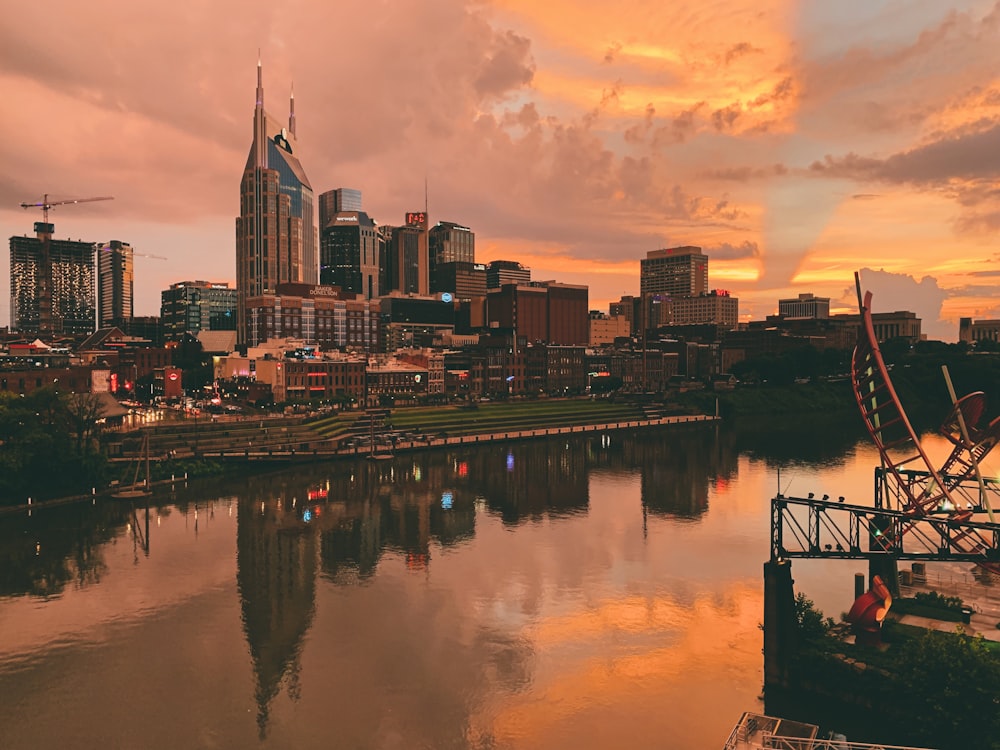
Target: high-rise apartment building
{"points": [[349, 254], [276, 240], [448, 242], [114, 283], [675, 271], [52, 289], [500, 272], [193, 306], [332, 202]]}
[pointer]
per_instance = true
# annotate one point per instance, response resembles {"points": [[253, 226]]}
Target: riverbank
{"points": [[264, 445]]}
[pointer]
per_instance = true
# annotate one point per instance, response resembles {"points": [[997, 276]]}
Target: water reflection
{"points": [[276, 578], [499, 596], [43, 553]]}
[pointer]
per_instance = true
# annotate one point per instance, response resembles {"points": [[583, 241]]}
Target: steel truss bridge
{"points": [[813, 527]]}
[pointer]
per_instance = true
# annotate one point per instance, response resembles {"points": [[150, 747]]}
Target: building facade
{"points": [[448, 242], [405, 259], [604, 329], [970, 330], [675, 271], [541, 312], [715, 307], [805, 306], [462, 280], [332, 202], [276, 240], [52, 285], [115, 287], [317, 315], [500, 272], [193, 306], [349, 254]]}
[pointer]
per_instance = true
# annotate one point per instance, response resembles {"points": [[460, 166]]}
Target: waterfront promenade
{"points": [[283, 453]]}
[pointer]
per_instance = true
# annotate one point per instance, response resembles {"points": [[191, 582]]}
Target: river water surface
{"points": [[601, 592]]}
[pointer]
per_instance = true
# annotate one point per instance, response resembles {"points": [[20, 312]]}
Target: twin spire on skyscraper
{"points": [[260, 118]]}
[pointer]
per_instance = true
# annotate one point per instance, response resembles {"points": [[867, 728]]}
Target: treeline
{"points": [[48, 445], [806, 380]]}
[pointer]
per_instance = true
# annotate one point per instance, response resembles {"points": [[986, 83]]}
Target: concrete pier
{"points": [[780, 626]]}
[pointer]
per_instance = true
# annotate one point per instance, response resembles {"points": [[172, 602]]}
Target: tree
{"points": [[952, 684], [83, 411]]}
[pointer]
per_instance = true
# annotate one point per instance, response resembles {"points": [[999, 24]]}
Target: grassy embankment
{"points": [[187, 442]]}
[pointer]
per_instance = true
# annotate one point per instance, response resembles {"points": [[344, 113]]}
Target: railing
{"points": [[759, 732], [797, 743], [822, 528]]}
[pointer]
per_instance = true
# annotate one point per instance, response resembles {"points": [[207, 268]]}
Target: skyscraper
{"points": [[276, 238], [404, 261], [674, 271], [114, 283], [349, 254], [51, 285], [448, 242], [332, 202]]}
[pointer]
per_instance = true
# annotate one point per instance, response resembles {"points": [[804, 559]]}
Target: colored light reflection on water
{"points": [[604, 594]]}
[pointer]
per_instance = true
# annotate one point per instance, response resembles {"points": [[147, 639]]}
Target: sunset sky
{"points": [[796, 142]]}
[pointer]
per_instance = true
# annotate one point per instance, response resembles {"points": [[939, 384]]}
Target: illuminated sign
{"points": [[446, 500], [323, 291], [173, 376], [446, 297], [416, 219]]}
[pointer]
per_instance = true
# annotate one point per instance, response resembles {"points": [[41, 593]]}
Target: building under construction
{"points": [[52, 286]]}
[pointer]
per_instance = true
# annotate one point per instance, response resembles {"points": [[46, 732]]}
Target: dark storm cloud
{"points": [[727, 251], [966, 156]]}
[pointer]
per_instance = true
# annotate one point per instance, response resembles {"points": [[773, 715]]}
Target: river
{"points": [[598, 592]]}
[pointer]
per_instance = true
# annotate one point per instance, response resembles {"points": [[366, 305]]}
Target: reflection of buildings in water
{"points": [[625, 452], [821, 438], [534, 479], [275, 574], [42, 553], [675, 476], [393, 507]]}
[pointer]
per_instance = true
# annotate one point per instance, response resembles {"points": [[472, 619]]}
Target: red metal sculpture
{"points": [[921, 488]]}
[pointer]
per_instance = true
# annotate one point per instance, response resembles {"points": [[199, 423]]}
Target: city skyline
{"points": [[794, 142]]}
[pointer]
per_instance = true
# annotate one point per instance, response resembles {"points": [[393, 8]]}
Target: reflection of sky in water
{"points": [[604, 595]]}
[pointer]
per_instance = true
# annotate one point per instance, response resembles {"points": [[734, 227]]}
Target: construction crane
{"points": [[141, 255], [46, 204]]}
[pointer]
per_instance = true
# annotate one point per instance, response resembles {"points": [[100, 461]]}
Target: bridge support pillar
{"points": [[780, 626]]}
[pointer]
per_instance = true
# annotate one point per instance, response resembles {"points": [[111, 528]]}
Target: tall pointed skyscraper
{"points": [[276, 230]]}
